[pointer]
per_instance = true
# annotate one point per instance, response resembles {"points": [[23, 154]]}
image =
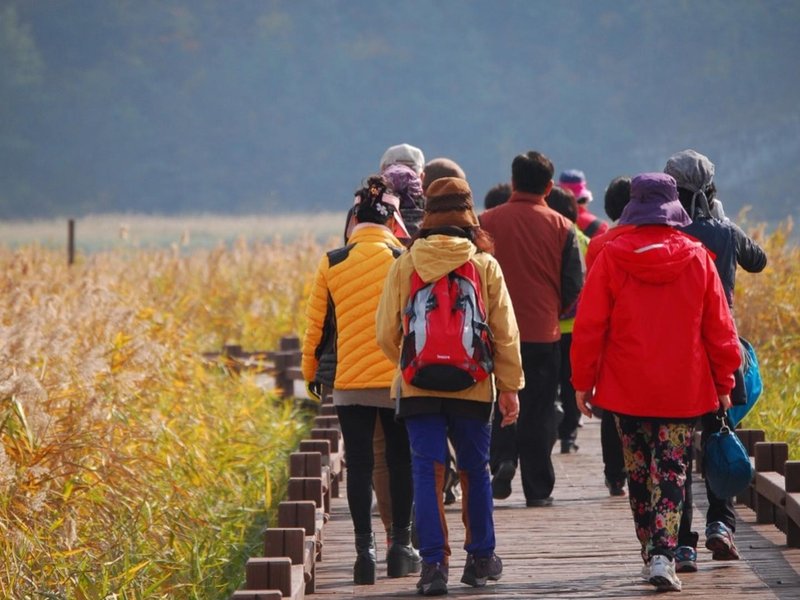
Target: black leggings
{"points": [[358, 424]]}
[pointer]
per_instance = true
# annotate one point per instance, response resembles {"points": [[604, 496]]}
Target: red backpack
{"points": [[447, 345]]}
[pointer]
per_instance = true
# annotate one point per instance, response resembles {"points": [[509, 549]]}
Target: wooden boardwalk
{"points": [[581, 547]]}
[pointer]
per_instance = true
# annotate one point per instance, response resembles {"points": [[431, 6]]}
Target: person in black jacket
{"points": [[732, 247]]}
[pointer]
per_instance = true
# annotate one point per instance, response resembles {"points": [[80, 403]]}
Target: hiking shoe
{"points": [[719, 539], [478, 570], [538, 502], [433, 580], [501, 481], [662, 574], [685, 559], [615, 488]]}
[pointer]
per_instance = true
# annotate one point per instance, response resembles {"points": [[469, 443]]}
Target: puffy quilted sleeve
{"points": [[316, 306], [388, 318]]}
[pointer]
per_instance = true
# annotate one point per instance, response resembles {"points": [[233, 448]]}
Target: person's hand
{"points": [[725, 401], [582, 400], [314, 390], [508, 402]]}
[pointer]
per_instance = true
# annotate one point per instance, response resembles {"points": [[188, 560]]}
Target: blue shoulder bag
{"points": [[726, 463], [753, 384]]}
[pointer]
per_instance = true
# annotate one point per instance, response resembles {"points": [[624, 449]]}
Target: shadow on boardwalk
{"points": [[581, 547]]}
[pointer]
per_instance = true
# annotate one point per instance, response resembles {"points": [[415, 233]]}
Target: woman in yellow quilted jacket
{"points": [[340, 350]]}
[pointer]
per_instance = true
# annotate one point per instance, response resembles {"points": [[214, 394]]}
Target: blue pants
{"points": [[428, 435]]}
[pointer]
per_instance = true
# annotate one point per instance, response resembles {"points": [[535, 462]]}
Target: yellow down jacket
{"points": [[433, 257], [345, 293]]}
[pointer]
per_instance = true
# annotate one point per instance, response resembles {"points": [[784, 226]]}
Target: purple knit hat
{"points": [[654, 201]]}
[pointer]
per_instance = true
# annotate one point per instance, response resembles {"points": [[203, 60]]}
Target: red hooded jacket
{"points": [[653, 334]]}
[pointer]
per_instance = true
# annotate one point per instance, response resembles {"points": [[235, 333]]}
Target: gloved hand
{"points": [[314, 390]]}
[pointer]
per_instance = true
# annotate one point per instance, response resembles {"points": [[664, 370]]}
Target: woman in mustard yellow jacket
{"points": [[449, 237], [340, 350]]}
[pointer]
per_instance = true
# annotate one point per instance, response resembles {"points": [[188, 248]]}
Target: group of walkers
{"points": [[631, 321]]}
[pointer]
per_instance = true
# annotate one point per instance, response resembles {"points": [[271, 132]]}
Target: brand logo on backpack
{"points": [[447, 345]]}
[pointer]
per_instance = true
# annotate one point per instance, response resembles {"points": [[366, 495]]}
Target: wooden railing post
{"points": [[791, 473], [71, 242], [286, 358], [770, 458]]}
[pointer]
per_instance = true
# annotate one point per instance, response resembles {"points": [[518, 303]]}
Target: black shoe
{"points": [[568, 446], [478, 570], [402, 558], [366, 559], [535, 502], [433, 580], [616, 488], [501, 481]]}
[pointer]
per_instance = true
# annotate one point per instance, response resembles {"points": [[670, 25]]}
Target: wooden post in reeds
{"points": [[71, 242], [287, 357]]}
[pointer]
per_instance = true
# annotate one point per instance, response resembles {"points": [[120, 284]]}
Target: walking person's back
{"points": [[730, 246], [538, 252], [341, 307]]}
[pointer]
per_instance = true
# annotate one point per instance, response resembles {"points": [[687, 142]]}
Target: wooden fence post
{"points": [[71, 242], [769, 457], [286, 358]]}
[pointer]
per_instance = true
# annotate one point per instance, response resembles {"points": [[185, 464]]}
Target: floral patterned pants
{"points": [[656, 454]]}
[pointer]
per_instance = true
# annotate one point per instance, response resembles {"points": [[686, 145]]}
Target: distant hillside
{"points": [[256, 106]]}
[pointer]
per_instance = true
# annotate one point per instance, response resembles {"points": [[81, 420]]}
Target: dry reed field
{"points": [[130, 469], [95, 233]]}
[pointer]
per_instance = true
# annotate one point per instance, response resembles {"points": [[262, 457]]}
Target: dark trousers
{"points": [[719, 509], [613, 460], [358, 427], [531, 440], [568, 427]]}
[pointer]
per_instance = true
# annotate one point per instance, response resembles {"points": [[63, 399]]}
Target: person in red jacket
{"points": [[655, 344], [575, 181]]}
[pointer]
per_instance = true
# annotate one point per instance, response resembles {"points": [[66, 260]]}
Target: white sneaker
{"points": [[662, 574]]}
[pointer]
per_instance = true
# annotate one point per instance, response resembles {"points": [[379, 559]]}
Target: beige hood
{"points": [[437, 255]]}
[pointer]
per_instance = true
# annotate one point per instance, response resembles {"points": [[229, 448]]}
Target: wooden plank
{"points": [[294, 544], [276, 573], [770, 487], [285, 541], [256, 595], [583, 547], [792, 477], [306, 488]]}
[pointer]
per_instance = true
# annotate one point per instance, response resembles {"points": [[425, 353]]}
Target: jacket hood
{"points": [[653, 253], [437, 255]]}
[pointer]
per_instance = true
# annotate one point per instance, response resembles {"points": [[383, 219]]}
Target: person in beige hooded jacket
{"points": [[450, 236]]}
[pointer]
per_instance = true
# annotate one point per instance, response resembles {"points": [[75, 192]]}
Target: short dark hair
{"points": [[438, 168], [618, 194], [531, 172], [497, 195], [563, 202]]}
